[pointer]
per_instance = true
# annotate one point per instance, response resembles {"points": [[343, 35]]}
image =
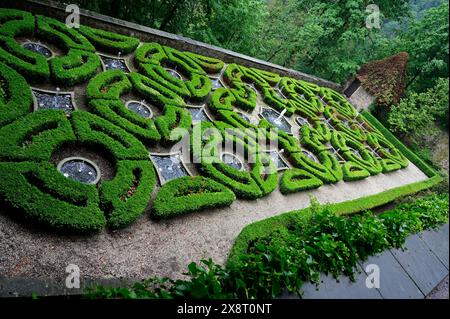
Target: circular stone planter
{"points": [[80, 169], [38, 48], [140, 108], [174, 73], [232, 160]]}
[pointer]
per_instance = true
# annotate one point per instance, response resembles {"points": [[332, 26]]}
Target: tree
{"points": [[416, 116]]}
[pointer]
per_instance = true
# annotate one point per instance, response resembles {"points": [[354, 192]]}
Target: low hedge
{"points": [[208, 64], [31, 65], [199, 86], [173, 121], [16, 99], [109, 41], [150, 53], [296, 180], [430, 172], [15, 22], [41, 193], [108, 85], [154, 91], [117, 113], [276, 258], [264, 172], [58, 33], [93, 130], [182, 61], [35, 136], [190, 194], [240, 182], [76, 67], [158, 74], [124, 198], [354, 171]]}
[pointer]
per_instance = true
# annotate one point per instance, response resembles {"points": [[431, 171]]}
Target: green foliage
{"points": [[15, 95], [286, 256], [417, 114], [46, 196], [190, 194], [31, 65], [125, 197], [15, 22], [295, 180], [74, 68], [35, 136], [108, 85], [117, 113], [173, 124], [109, 41], [403, 149], [95, 131], [58, 33]]}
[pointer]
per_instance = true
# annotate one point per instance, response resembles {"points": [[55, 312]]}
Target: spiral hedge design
{"points": [[344, 145]]}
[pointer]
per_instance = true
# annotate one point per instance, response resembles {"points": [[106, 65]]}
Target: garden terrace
{"points": [[131, 101]]}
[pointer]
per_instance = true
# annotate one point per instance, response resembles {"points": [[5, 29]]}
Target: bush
{"points": [[58, 33], [295, 180], [174, 119], [31, 65], [150, 53], [190, 194], [154, 91], [93, 130], [15, 95], [109, 41], [124, 198], [417, 114], [117, 113], [43, 194], [164, 79], [108, 85], [35, 136], [209, 65], [15, 22], [282, 253], [74, 68]]}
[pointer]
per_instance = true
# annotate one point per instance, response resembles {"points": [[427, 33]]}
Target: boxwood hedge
{"points": [[190, 194], [109, 41], [15, 95], [125, 197]]}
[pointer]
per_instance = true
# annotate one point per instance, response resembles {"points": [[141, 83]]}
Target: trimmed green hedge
{"points": [[117, 113], [58, 33], [108, 85], [15, 95], [40, 192], [190, 194], [173, 124], [109, 41], [295, 180], [154, 91], [35, 136], [430, 172], [31, 65], [15, 22], [76, 67], [95, 131], [125, 198]]}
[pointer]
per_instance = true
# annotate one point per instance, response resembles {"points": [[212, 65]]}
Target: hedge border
{"points": [[264, 227]]}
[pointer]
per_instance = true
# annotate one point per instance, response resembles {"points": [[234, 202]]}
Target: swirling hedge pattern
{"points": [[343, 145]]}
